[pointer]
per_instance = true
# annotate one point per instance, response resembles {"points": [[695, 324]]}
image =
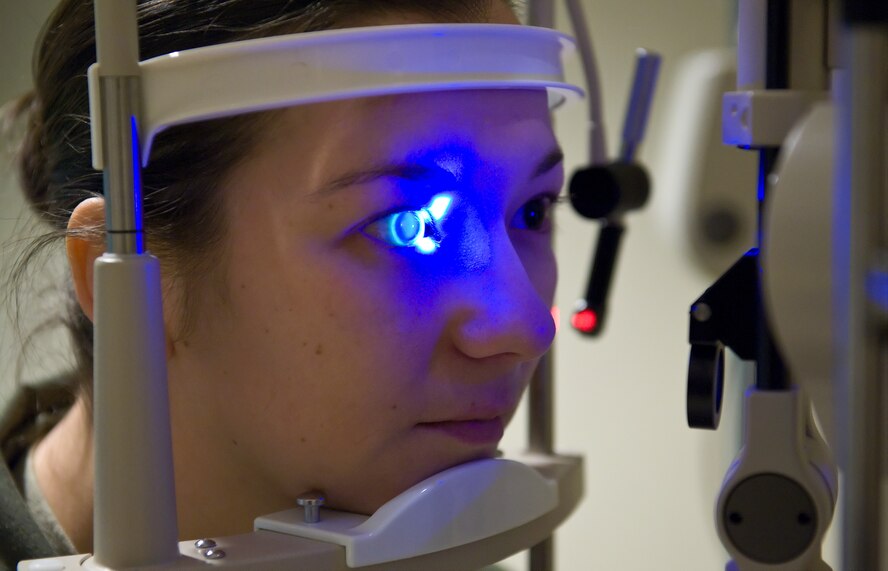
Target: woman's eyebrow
{"points": [[549, 162], [406, 171], [415, 172]]}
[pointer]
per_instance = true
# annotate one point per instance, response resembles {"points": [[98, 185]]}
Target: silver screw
{"points": [[311, 502], [204, 543], [702, 312], [214, 553]]}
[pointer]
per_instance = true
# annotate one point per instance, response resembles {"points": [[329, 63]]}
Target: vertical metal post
{"points": [[541, 422], [771, 373], [541, 439], [135, 520], [859, 237], [541, 13], [541, 427]]}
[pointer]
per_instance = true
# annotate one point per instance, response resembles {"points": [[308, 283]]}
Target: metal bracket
{"points": [[763, 118]]}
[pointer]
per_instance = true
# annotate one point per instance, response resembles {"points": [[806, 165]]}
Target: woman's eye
{"points": [[536, 214], [418, 229]]}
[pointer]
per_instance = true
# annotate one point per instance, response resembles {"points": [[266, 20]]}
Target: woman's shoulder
{"points": [[27, 412]]}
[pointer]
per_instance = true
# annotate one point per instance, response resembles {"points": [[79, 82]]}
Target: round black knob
{"points": [[604, 191]]}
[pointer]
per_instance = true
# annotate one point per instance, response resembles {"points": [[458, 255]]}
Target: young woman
{"points": [[309, 345]]}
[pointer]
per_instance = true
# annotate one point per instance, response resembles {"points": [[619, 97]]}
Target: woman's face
{"points": [[386, 294]]}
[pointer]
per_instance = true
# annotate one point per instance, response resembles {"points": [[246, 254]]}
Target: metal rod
{"points": [[541, 13], [858, 238], [117, 48], [541, 432], [647, 68], [541, 439], [597, 136], [777, 45], [122, 184], [541, 407], [542, 555], [771, 372], [135, 521]]}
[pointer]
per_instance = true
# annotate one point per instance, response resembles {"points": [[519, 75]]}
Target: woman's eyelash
{"points": [[536, 214], [554, 198]]}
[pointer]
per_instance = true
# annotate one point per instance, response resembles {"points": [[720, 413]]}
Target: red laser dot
{"points": [[584, 321]]}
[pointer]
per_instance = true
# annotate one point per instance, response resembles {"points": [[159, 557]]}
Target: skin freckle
{"points": [[319, 350]]}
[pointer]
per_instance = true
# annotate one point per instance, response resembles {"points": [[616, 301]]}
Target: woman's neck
{"points": [[214, 497], [63, 465]]}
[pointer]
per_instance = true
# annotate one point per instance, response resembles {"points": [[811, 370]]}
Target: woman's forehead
{"points": [[456, 131]]}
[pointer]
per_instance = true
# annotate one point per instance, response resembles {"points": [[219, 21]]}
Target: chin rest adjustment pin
{"points": [[311, 502]]}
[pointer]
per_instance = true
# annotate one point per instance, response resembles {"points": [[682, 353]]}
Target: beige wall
{"points": [[20, 22]]}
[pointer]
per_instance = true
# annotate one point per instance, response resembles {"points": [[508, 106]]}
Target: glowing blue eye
{"points": [[406, 227], [419, 229]]}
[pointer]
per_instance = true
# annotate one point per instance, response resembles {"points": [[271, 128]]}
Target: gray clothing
{"points": [[28, 529]]}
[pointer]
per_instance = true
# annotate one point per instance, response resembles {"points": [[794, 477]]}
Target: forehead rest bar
{"points": [[282, 71]]}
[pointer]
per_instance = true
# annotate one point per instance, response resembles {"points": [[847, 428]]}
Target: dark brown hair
{"points": [[183, 218]]}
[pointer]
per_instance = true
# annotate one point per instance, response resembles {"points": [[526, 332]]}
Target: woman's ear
{"points": [[85, 243]]}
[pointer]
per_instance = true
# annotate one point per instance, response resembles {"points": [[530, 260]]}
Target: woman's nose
{"points": [[504, 310]]}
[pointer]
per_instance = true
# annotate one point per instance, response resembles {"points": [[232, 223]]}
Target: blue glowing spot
{"points": [[426, 245], [439, 207], [452, 163]]}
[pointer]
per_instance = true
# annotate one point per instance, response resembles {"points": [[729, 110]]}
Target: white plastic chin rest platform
{"points": [[466, 517]]}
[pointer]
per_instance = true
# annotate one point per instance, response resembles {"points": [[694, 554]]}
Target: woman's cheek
{"points": [[538, 258]]}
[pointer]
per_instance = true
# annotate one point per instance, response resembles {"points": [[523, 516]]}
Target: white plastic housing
{"points": [[797, 258], [755, 119], [780, 438], [270, 73]]}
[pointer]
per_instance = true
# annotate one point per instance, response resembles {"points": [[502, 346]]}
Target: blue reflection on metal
{"points": [[137, 186], [877, 288], [420, 229], [137, 172]]}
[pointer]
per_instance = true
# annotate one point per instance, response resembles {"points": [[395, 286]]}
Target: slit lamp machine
{"points": [[808, 305]]}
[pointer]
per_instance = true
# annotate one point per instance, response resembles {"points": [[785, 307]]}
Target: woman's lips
{"points": [[476, 431]]}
